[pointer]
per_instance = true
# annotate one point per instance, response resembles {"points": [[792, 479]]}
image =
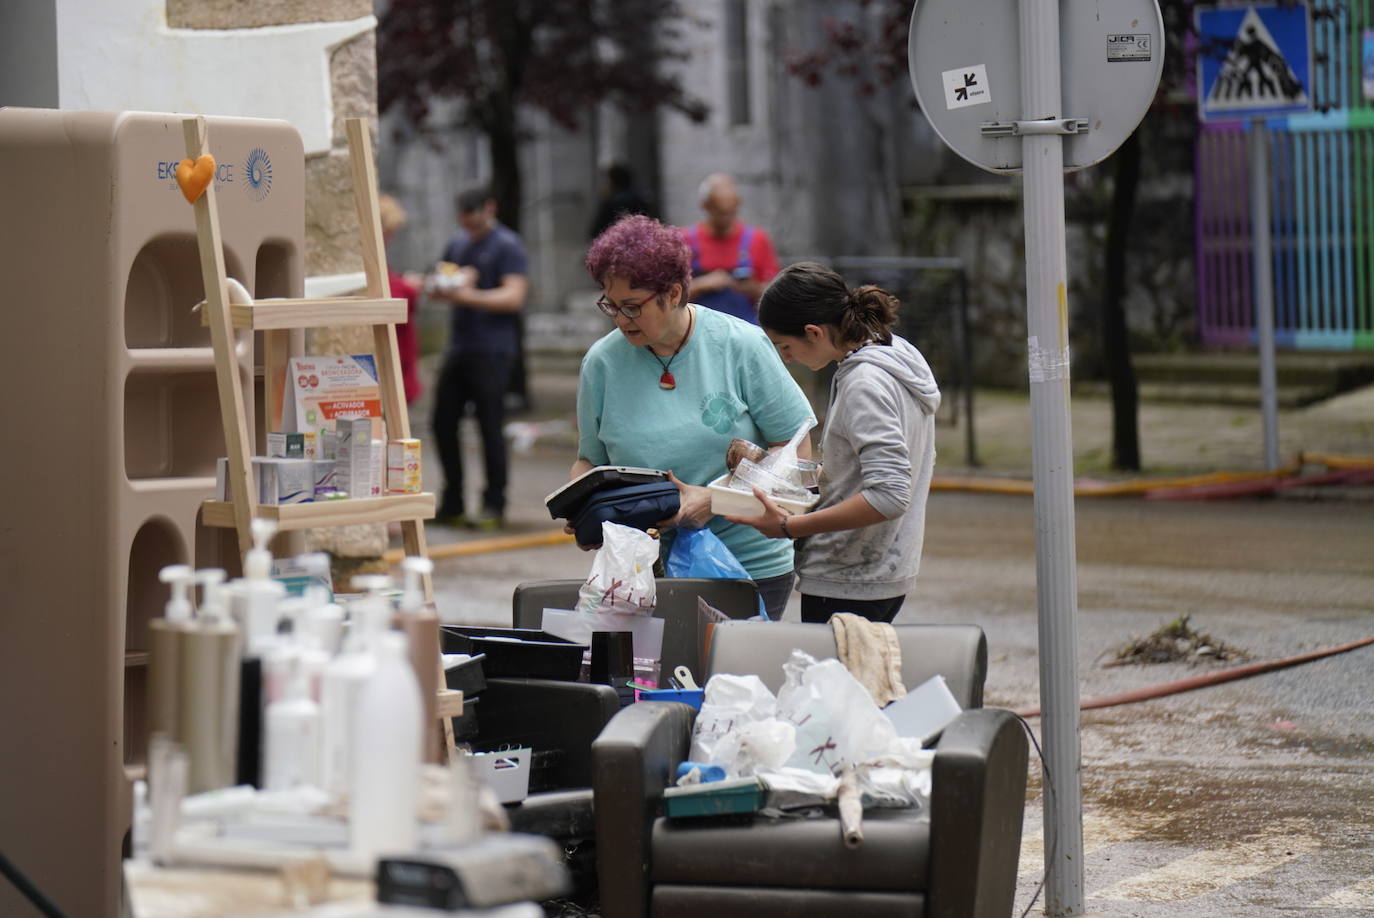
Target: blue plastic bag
{"points": [[701, 553]]}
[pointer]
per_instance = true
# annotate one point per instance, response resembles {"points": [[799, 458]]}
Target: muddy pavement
{"points": [[1254, 797]]}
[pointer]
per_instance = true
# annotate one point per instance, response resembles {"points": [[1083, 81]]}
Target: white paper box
{"points": [[924, 710], [324, 390]]}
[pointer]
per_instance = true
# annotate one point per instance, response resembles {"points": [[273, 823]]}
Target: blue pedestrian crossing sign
{"points": [[1254, 61]]}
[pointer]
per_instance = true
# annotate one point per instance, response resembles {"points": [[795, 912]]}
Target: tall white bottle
{"points": [[292, 735], [344, 678], [258, 594], [386, 763], [323, 618]]}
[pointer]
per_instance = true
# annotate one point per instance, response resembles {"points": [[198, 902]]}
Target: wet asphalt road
{"points": [[1255, 797]]}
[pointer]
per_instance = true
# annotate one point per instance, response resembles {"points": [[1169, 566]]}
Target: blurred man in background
{"points": [[732, 261], [484, 275]]}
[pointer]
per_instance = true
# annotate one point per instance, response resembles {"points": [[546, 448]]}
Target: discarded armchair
{"points": [[958, 859], [559, 720]]}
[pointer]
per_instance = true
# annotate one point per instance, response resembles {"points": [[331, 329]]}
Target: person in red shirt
{"points": [[732, 261], [393, 217]]}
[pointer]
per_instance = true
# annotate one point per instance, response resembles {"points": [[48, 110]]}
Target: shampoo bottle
{"points": [[292, 738], [386, 749], [165, 644], [259, 594], [256, 596], [324, 618], [210, 690], [344, 678], [420, 622]]}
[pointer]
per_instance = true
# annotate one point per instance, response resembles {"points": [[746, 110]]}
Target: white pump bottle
{"points": [[386, 744], [323, 617], [344, 678], [257, 593], [292, 735]]}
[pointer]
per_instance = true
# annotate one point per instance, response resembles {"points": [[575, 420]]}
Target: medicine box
{"points": [[326, 481], [284, 481], [403, 466], [286, 445]]}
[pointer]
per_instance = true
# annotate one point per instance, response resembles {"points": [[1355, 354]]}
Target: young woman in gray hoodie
{"points": [[859, 548]]}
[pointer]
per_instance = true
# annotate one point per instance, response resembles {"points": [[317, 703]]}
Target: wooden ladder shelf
{"points": [[276, 319]]}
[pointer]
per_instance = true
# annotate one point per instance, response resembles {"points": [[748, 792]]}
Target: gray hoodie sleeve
{"points": [[875, 425]]}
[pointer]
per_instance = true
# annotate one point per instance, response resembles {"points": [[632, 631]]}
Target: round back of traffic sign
{"points": [[965, 61]]}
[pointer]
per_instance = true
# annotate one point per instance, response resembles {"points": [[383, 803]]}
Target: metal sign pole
{"points": [[1258, 148], [1052, 454], [992, 87]]}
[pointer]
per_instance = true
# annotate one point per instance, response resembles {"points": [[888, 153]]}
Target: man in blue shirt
{"points": [[487, 288]]}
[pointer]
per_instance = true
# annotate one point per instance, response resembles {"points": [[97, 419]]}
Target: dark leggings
{"points": [[818, 609]]}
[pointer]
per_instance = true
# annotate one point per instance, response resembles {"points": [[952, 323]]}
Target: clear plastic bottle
{"points": [[386, 763]]}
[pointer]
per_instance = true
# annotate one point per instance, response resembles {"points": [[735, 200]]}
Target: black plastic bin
{"points": [[524, 652], [467, 677]]}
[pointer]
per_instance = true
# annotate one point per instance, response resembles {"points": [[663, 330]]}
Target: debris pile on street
{"points": [[1175, 642]]}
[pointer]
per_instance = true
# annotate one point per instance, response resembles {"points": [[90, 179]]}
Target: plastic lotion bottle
{"points": [[164, 652], [386, 749], [323, 617], [292, 735], [210, 690], [420, 623], [259, 593], [344, 678]]}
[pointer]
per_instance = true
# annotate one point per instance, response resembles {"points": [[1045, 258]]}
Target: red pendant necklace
{"points": [[666, 381]]}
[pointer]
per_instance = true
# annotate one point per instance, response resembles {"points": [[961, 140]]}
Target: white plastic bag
{"points": [[729, 703], [622, 577], [837, 722], [756, 747]]}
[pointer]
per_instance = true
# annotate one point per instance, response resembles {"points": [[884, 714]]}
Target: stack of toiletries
{"points": [[283, 694]]}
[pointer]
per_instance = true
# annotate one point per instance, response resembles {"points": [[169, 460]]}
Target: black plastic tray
{"points": [[465, 724], [467, 677], [516, 651]]}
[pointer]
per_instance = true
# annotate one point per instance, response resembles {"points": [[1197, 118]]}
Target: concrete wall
{"points": [[28, 54], [309, 62]]}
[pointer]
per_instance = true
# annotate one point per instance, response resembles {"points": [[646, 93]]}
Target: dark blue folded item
{"points": [[639, 506]]}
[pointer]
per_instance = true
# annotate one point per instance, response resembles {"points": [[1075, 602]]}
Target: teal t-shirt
{"points": [[730, 383]]}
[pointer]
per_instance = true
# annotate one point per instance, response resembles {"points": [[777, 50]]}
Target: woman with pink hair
{"points": [[674, 383]]}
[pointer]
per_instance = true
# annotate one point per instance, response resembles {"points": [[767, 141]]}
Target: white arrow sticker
{"points": [[966, 86]]}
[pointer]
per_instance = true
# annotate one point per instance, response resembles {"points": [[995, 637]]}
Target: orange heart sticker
{"points": [[194, 176]]}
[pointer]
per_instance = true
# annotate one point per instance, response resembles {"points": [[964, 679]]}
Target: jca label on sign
{"points": [[966, 86], [1128, 47]]}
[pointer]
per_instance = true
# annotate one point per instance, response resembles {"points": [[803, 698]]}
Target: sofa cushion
{"points": [[565, 814], [794, 852]]}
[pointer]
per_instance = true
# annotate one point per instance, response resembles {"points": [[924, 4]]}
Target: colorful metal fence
{"points": [[1321, 205]]}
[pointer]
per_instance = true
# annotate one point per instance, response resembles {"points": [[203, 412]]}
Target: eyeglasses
{"points": [[629, 310]]}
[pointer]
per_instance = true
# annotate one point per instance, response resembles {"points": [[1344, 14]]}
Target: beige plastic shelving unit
{"points": [[111, 415]]}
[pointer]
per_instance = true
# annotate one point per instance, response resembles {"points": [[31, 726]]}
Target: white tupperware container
{"points": [[729, 502]]}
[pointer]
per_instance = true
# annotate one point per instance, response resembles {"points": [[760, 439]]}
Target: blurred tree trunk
{"points": [[1116, 344]]}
